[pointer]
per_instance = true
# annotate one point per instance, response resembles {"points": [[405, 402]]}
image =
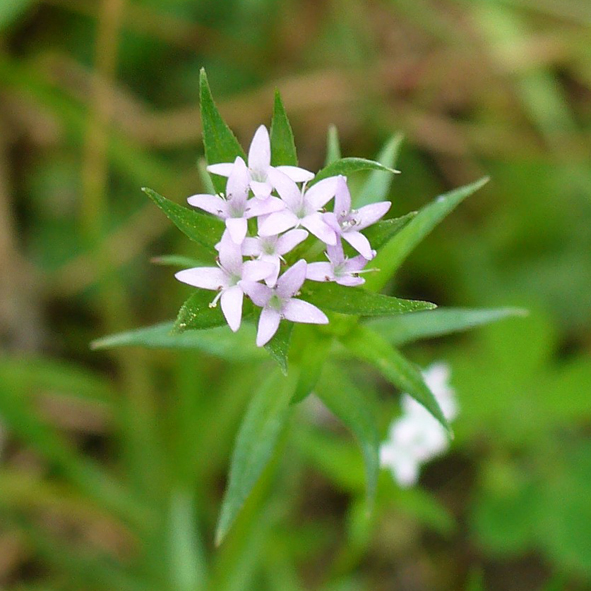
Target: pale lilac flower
{"points": [[259, 166], [226, 278], [235, 208], [347, 222], [436, 377], [416, 436], [343, 270], [279, 302], [272, 248], [301, 208]]}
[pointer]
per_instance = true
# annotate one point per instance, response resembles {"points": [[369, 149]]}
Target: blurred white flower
{"points": [[416, 436]]}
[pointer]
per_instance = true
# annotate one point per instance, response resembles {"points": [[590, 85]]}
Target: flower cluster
{"points": [[416, 436], [286, 212]]}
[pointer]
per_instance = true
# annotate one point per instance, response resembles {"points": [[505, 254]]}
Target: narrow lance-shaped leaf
{"points": [[369, 346], [377, 186], [313, 346], [358, 301], [278, 346], [402, 244], [381, 232], [263, 423], [283, 150], [219, 142], [177, 260], [333, 146], [423, 325], [346, 166], [219, 341], [204, 229], [351, 406], [197, 312]]}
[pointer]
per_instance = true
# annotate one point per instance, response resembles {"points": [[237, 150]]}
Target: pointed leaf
{"points": [[423, 325], [377, 186], [278, 346], [177, 260], [395, 252], [204, 229], [283, 150], [369, 346], [314, 347], [333, 146], [381, 232], [263, 423], [351, 405], [196, 313], [219, 341], [348, 166], [219, 142], [358, 301]]}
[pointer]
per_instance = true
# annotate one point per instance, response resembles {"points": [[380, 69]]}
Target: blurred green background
{"points": [[113, 464]]}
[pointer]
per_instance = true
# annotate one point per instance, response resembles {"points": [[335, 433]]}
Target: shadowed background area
{"points": [[113, 464]]}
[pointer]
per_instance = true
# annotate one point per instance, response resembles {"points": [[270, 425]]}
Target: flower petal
{"points": [[210, 203], [369, 214], [251, 247], [221, 169], [231, 302], [355, 264], [331, 221], [342, 200], [237, 187], [258, 207], [288, 241], [257, 270], [350, 281], [203, 277], [261, 189], [290, 282], [237, 229], [360, 243], [257, 292], [322, 192], [296, 174], [230, 254], [319, 228], [259, 153], [287, 189], [320, 272], [268, 325], [300, 311], [278, 222]]}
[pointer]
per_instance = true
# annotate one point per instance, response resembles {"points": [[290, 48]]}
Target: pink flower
{"points": [[343, 270], [279, 302], [259, 166], [301, 208], [235, 208], [347, 222], [272, 248], [226, 278]]}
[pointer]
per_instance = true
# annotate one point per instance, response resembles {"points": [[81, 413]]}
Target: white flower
{"points": [[235, 207], [416, 436], [259, 166], [279, 302], [226, 278]]}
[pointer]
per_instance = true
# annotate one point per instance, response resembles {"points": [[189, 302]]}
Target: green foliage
{"points": [[347, 166], [351, 406], [369, 346], [201, 228], [220, 143], [283, 150], [263, 424]]}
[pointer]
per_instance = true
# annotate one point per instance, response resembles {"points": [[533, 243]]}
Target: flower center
{"points": [[275, 303]]}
